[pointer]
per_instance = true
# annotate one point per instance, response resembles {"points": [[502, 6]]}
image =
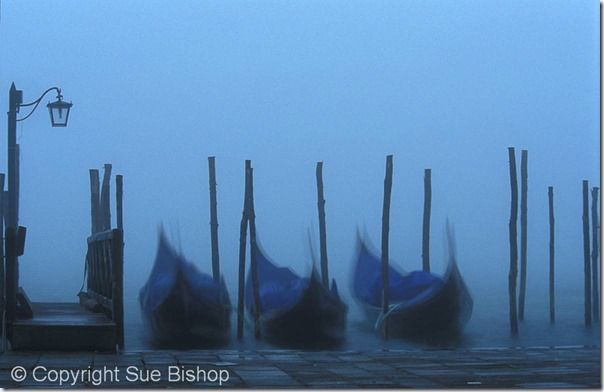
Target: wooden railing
{"points": [[105, 277]]}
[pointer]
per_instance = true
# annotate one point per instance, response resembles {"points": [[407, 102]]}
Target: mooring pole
{"points": [[586, 255], [523, 230], [385, 233], [242, 246], [426, 222], [105, 199], [119, 197], [513, 242], [594, 253], [552, 311], [322, 229], [253, 263], [94, 201], [214, 220]]}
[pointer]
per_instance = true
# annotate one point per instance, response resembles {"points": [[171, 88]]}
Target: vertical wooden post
{"points": [[119, 196], [94, 201], [513, 242], [253, 264], [117, 289], [214, 220], [242, 246], [322, 229], [2, 270], [385, 233], [523, 230], [594, 253], [586, 255], [426, 222], [105, 202], [552, 303]]}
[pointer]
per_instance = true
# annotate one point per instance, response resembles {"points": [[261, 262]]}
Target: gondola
{"points": [[296, 311], [422, 306], [182, 306]]}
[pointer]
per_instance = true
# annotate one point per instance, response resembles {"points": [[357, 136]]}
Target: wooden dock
{"points": [[96, 320], [53, 322], [538, 367]]}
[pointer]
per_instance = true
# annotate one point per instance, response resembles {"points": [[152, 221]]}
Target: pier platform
{"points": [[536, 367]]}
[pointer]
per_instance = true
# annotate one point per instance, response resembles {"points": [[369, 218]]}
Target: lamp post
{"points": [[59, 114]]}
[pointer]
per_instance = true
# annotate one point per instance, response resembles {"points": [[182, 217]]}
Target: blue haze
{"points": [[158, 86]]}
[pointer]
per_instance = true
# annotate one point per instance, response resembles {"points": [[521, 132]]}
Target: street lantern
{"points": [[59, 112]]}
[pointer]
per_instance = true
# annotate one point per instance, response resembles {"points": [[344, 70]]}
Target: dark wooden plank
{"points": [[52, 313], [63, 326]]}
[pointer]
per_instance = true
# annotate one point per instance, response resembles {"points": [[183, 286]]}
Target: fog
{"points": [[159, 86]]}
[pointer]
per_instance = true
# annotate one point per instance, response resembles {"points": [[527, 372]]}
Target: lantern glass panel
{"points": [[59, 113]]}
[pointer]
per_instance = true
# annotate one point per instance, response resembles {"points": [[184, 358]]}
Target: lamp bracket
{"points": [[37, 102]]}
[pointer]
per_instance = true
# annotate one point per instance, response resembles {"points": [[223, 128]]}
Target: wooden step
{"points": [[63, 326]]}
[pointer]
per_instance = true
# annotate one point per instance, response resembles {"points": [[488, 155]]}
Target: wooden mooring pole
{"points": [[95, 221], [322, 229], [426, 221], [214, 220], [552, 303], [253, 264], [105, 199], [594, 253], [523, 230], [513, 242], [242, 246], [586, 255], [385, 233], [119, 206]]}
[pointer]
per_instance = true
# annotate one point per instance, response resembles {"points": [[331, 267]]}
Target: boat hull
{"points": [[182, 306], [442, 315], [183, 320], [317, 320]]}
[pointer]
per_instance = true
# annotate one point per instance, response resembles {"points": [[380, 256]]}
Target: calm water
{"points": [[488, 327]]}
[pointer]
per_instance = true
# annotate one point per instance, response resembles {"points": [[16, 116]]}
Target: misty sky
{"points": [[159, 86]]}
